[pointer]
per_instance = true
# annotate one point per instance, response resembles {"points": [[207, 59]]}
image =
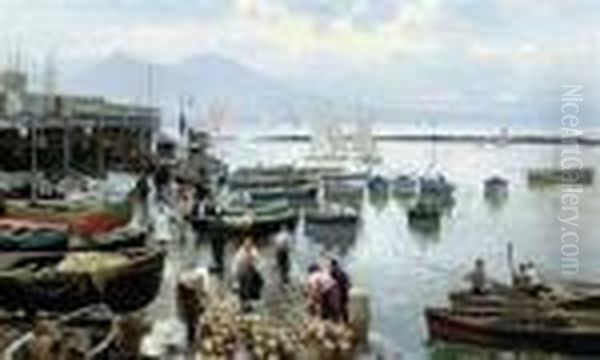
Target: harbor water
{"points": [[404, 271]]}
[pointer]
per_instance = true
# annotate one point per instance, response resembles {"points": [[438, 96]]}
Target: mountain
{"points": [[245, 94]]}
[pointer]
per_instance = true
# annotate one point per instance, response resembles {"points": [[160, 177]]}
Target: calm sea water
{"points": [[406, 271]]}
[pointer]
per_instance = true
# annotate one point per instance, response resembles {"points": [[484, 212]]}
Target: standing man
{"points": [[246, 272], [283, 244], [344, 284], [217, 238]]}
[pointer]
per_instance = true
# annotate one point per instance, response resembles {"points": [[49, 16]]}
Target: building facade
{"points": [[59, 132]]}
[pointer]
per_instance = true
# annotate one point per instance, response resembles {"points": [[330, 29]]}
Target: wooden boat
{"points": [[405, 186], [19, 235], [378, 186], [118, 239], [269, 177], [424, 212], [436, 190], [501, 299], [332, 214], [256, 220], [557, 334], [495, 188], [84, 219], [294, 194], [548, 177], [348, 192], [38, 283]]}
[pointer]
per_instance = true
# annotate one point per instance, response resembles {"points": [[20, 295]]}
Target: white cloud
{"points": [[281, 39]]}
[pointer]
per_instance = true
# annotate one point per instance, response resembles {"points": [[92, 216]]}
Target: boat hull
{"points": [[258, 228], [449, 327], [126, 288]]}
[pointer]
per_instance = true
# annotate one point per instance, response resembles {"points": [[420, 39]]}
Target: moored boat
{"points": [[119, 239], [332, 214], [20, 235], [569, 176], [425, 215], [503, 298], [297, 193], [343, 191], [436, 190], [495, 187], [540, 331], [405, 186], [84, 219], [255, 219], [62, 281], [378, 186]]}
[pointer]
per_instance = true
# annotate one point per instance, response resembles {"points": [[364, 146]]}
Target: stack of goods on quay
{"points": [[225, 332]]}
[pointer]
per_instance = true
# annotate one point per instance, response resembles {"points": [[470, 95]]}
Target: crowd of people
{"points": [[327, 285]]}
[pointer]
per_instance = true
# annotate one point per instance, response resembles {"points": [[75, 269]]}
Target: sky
{"points": [[391, 50]]}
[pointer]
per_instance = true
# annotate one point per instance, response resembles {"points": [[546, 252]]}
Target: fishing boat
{"points": [[501, 298], [378, 186], [20, 235], [436, 190], [567, 334], [266, 184], [495, 187], [405, 186], [268, 177], [551, 176], [292, 193], [64, 281], [332, 214], [425, 215], [342, 191], [122, 238], [82, 218], [250, 219]]}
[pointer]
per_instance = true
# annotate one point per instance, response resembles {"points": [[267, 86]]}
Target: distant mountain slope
{"points": [[207, 79]]}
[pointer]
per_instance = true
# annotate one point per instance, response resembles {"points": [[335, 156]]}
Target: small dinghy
{"points": [[378, 186], [425, 215], [495, 187]]}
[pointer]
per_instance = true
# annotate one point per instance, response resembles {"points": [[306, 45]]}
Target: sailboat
{"points": [[339, 154], [433, 184]]}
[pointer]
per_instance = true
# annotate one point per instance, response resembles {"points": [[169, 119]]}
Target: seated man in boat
{"points": [[478, 278], [529, 281]]}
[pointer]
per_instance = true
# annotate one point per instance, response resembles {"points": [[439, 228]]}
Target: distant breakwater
{"points": [[463, 138]]}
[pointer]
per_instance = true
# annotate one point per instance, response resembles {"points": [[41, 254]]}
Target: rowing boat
{"points": [[556, 333]]}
